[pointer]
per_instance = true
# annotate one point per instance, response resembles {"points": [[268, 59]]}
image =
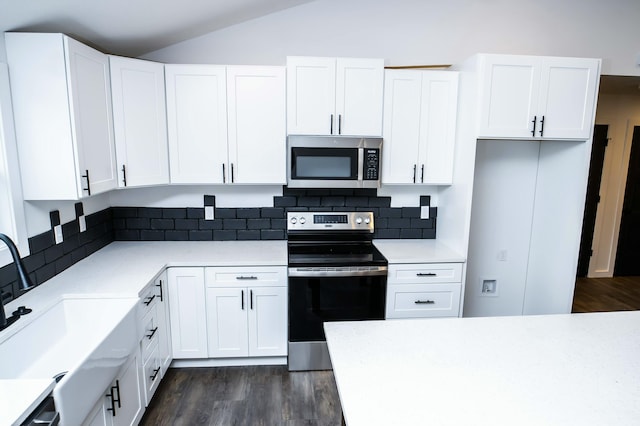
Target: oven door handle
{"points": [[338, 271]]}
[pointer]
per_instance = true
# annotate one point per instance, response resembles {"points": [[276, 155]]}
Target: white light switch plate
{"points": [[57, 232], [424, 212], [208, 213], [82, 222]]}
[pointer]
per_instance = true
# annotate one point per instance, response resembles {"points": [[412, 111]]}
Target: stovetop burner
{"points": [[332, 239]]}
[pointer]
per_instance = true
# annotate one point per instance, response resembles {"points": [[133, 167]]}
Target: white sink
{"points": [[89, 339]]}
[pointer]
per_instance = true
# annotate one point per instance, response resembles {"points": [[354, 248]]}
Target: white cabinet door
{"points": [[90, 88], [197, 123], [62, 110], [420, 111], [510, 87], [438, 127], [162, 311], [227, 322], [267, 321], [568, 89], [187, 309], [130, 393], [359, 92], [140, 121], [402, 101], [257, 127], [311, 88], [526, 97], [334, 96]]}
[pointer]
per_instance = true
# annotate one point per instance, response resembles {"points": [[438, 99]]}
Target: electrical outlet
{"points": [[82, 223], [424, 212], [208, 213], [57, 232], [489, 288]]}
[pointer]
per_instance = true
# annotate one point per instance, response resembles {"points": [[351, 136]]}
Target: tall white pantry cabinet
{"points": [[533, 129], [62, 108]]}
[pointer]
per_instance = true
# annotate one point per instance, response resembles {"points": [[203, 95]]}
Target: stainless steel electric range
{"points": [[335, 274]]}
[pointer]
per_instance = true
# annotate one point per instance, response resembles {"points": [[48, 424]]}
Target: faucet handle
{"points": [[22, 310]]}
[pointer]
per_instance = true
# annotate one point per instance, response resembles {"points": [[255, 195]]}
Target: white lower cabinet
{"points": [[187, 311], [228, 312], [122, 403], [424, 290], [246, 311]]}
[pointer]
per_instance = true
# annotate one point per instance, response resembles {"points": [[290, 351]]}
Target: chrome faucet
{"points": [[23, 280]]}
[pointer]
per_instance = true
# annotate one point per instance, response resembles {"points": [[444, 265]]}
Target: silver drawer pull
{"points": [[424, 302], [426, 274], [242, 277]]}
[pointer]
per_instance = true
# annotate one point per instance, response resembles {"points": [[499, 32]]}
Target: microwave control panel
{"points": [[371, 168]]}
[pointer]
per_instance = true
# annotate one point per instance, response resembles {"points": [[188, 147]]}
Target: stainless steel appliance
{"points": [[333, 162], [335, 274]]}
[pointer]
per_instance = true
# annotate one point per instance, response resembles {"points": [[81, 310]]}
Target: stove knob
{"points": [[358, 220], [294, 220], [302, 220], [367, 220]]}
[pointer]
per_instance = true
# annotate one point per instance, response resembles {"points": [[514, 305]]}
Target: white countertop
{"points": [[576, 369], [417, 251], [18, 398], [122, 270]]}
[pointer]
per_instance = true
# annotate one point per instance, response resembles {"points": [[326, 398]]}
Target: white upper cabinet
{"points": [[62, 107], [197, 122], [226, 124], [334, 96], [257, 135], [140, 121], [525, 97], [420, 109]]}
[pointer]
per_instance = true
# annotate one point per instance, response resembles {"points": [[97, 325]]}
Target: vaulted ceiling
{"points": [[133, 27]]}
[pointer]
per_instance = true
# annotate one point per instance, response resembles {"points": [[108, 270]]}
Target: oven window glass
{"points": [[315, 300], [324, 163]]}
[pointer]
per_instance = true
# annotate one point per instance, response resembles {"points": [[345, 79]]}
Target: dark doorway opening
{"points": [[593, 197], [628, 253]]}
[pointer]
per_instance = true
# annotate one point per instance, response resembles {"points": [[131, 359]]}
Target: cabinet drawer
{"points": [[150, 332], [245, 277], [152, 374], [423, 301], [425, 273]]}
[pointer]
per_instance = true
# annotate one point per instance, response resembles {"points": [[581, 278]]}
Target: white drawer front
{"points": [[245, 277], [152, 374], [150, 333], [425, 273], [423, 301]]}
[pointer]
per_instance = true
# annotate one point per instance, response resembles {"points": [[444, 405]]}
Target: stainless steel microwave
{"points": [[333, 162]]}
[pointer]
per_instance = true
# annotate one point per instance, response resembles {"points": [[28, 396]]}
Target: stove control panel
{"points": [[330, 221]]}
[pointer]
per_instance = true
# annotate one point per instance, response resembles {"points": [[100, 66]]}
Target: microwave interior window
{"points": [[323, 167], [310, 163]]}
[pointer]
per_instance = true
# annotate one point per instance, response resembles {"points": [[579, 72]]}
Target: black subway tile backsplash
{"points": [[188, 224]]}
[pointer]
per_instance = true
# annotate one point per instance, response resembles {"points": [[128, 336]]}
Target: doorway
{"points": [[599, 145], [628, 253]]}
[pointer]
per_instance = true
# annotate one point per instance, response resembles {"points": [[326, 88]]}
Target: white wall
{"points": [[426, 32], [621, 113]]}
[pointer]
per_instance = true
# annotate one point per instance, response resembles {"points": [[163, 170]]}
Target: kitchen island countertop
{"points": [[572, 369]]}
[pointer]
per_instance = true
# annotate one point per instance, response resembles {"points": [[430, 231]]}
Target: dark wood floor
{"points": [[607, 294], [245, 396], [271, 396]]}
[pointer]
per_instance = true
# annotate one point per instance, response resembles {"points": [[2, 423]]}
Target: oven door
{"points": [[319, 296]]}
